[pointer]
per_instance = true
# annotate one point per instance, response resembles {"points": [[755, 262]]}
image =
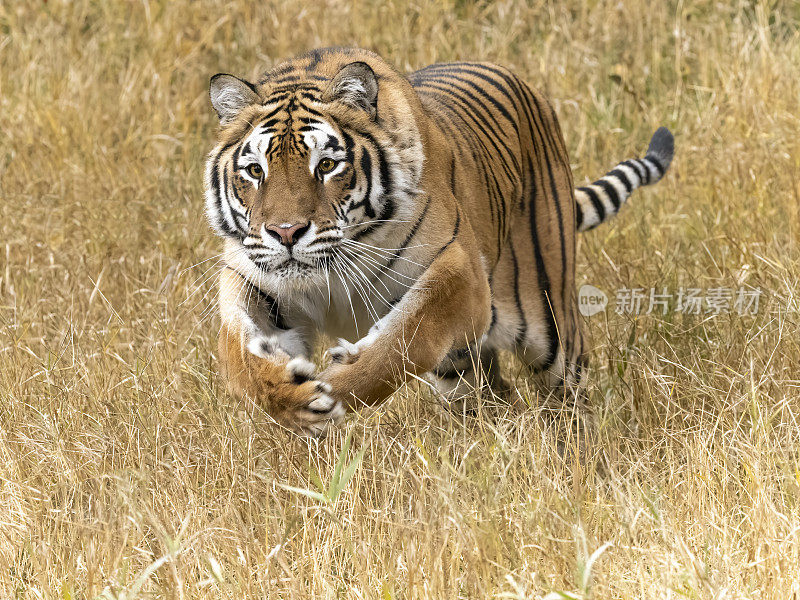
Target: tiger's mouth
{"points": [[290, 264]]}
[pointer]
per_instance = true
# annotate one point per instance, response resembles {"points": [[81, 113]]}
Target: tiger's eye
{"points": [[326, 165], [254, 170]]}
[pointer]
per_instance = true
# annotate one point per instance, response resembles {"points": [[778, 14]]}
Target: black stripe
{"points": [[544, 288], [383, 166], [296, 87], [484, 127], [266, 126], [366, 169], [646, 172], [234, 211], [599, 207], [239, 151], [656, 164], [523, 331], [348, 147], [453, 176], [611, 191], [222, 223], [623, 177], [332, 144], [285, 79], [559, 150], [384, 217], [268, 120], [316, 117], [452, 239], [275, 97], [239, 219], [321, 240], [632, 164], [241, 222], [352, 183]]}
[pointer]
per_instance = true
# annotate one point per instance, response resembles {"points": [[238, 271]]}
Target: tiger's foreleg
{"points": [[268, 364], [447, 307]]}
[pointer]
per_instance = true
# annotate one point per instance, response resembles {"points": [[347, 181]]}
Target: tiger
{"points": [[425, 222]]}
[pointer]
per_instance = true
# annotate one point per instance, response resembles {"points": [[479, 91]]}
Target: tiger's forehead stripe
{"points": [[286, 110]]}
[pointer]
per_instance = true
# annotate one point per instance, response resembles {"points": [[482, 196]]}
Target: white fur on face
{"points": [[254, 150], [316, 139]]}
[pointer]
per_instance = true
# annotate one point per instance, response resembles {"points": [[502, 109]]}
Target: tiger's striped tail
{"points": [[601, 200]]}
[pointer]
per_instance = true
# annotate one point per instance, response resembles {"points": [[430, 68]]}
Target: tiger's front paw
{"points": [[311, 410]]}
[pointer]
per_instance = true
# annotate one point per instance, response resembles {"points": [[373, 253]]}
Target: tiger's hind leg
{"points": [[564, 377], [533, 282], [465, 373], [534, 313]]}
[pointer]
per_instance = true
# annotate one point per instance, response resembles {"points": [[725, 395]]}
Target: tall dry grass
{"points": [[126, 472]]}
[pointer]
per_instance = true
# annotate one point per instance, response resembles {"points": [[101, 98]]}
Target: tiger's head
{"points": [[320, 155]]}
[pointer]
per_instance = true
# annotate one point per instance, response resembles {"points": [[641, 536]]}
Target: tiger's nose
{"points": [[288, 234]]}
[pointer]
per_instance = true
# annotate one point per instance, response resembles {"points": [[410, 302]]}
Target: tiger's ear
{"points": [[355, 85], [229, 95]]}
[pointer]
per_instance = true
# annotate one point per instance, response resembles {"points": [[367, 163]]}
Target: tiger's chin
{"points": [[297, 275]]}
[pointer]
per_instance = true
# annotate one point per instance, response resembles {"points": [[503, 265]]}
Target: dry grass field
{"points": [[127, 472]]}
